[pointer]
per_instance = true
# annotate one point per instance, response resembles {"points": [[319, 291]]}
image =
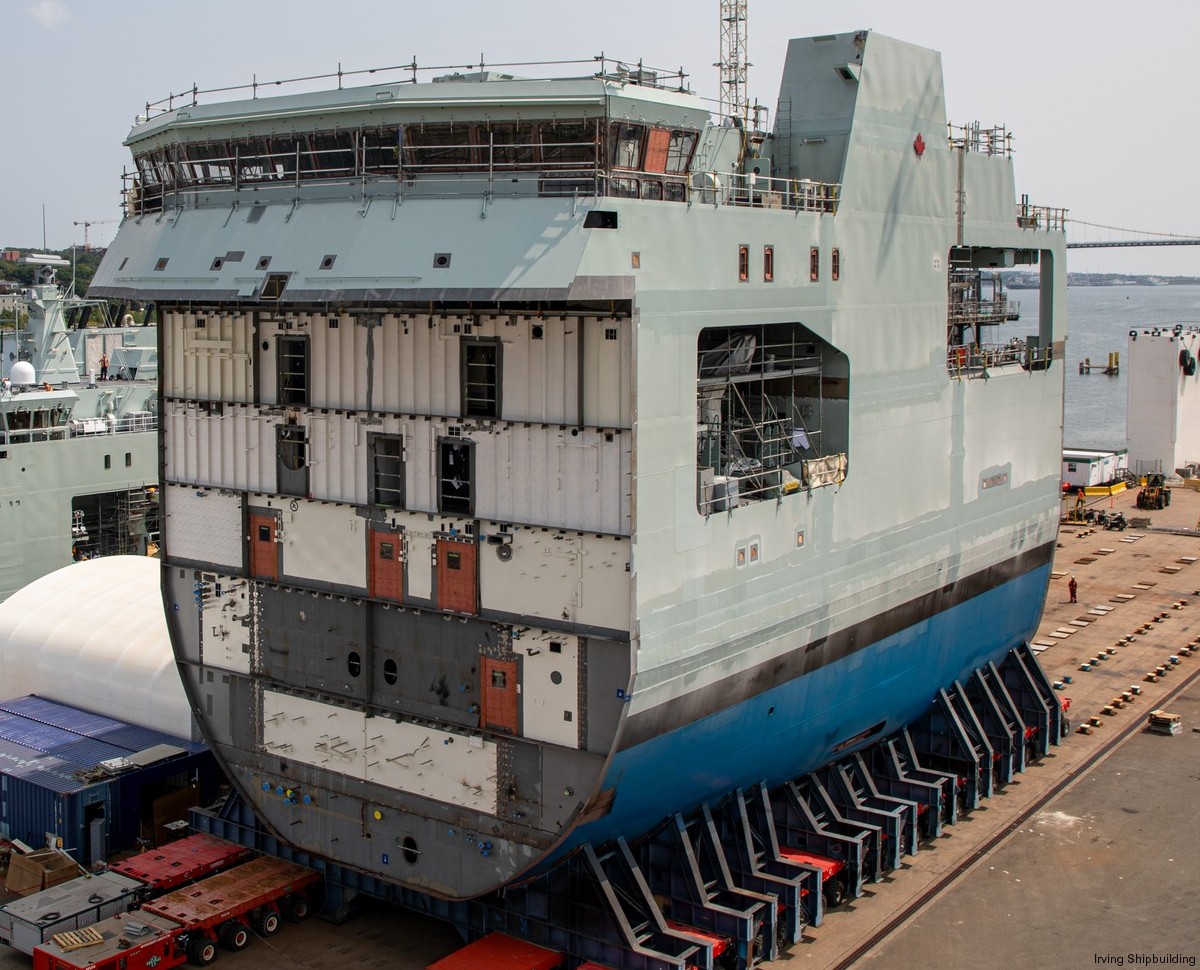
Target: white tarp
{"points": [[93, 634]]}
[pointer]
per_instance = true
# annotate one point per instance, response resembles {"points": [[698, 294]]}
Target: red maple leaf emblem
{"points": [[919, 145]]}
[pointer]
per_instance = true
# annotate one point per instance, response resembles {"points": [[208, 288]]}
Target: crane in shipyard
{"points": [[87, 224]]}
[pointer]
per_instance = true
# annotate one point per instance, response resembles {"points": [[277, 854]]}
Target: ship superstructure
{"points": [[78, 455], [542, 457]]}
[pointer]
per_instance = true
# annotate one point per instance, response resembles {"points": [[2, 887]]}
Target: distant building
{"points": [[1163, 408], [1084, 467]]}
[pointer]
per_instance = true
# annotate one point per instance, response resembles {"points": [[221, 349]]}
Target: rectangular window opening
{"points": [[480, 379], [814, 264], [743, 263], [387, 479], [768, 264], [835, 265], [456, 462], [292, 364]]}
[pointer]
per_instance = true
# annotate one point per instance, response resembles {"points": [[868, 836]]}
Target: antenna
{"points": [[735, 102]]}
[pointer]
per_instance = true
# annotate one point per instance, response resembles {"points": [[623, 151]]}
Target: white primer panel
{"points": [[325, 543], [559, 477], [209, 356], [558, 574], [549, 711], [421, 360], [453, 768], [338, 353], [233, 450], [540, 375], [607, 373], [225, 623], [202, 525]]}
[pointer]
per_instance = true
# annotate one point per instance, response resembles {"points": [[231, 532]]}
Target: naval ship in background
{"points": [[78, 455], [541, 457]]}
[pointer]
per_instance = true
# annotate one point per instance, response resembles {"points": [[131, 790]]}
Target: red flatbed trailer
{"points": [[127, 941], [499, 952], [178, 863], [188, 923]]}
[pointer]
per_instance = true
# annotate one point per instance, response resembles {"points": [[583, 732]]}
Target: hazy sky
{"points": [[1101, 96]]}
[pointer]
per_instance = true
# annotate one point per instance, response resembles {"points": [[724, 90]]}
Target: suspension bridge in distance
{"points": [[1131, 238]]}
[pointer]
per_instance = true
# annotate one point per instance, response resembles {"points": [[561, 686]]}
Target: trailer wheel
{"points": [[834, 892], [267, 924], [202, 951], [298, 909], [234, 935]]}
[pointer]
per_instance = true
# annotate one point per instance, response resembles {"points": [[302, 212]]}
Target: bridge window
{"points": [[510, 145], [626, 145], [437, 148], [381, 151], [330, 153]]}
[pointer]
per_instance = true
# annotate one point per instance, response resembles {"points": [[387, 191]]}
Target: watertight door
{"points": [[457, 583], [499, 694], [264, 550], [387, 566]]}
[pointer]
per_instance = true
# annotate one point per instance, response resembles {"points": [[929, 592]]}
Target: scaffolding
{"points": [[119, 523], [759, 406]]}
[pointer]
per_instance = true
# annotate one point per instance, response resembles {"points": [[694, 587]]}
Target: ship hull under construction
{"points": [[543, 458]]}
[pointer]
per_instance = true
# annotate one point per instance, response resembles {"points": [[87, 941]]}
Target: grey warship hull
{"points": [[541, 458]]}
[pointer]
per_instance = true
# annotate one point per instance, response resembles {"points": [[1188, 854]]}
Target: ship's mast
{"points": [[735, 101]]}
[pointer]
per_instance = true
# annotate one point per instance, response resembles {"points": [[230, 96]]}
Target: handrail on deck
{"points": [[608, 68]]}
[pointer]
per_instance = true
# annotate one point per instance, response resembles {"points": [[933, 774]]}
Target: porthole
{"points": [[389, 671], [354, 663]]}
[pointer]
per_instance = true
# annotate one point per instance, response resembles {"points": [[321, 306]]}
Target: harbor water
{"points": [[1100, 320]]}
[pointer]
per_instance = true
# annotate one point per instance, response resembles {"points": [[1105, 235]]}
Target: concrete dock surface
{"points": [[1090, 858]]}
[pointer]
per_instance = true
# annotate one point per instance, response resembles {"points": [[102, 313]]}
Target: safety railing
{"points": [[566, 168], [601, 66], [986, 360], [1040, 217], [984, 312]]}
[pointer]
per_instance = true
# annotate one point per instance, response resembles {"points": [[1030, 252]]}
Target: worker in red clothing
{"points": [[1072, 588]]}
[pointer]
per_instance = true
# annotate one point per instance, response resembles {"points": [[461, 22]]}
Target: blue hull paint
{"points": [[891, 681]]}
